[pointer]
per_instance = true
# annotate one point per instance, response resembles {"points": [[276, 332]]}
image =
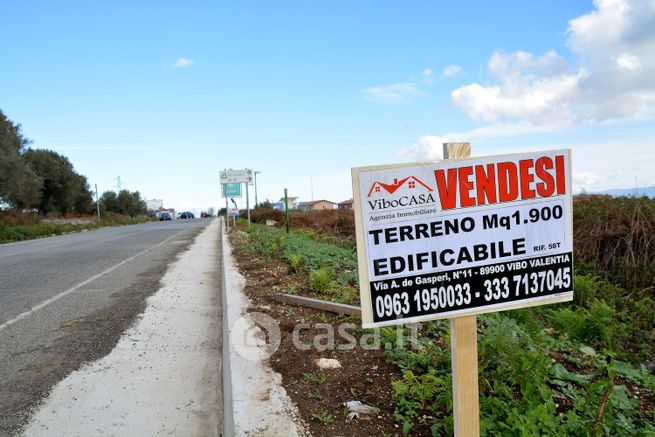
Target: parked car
{"points": [[187, 215], [165, 216]]}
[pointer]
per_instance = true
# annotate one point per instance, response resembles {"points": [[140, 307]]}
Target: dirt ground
{"points": [[320, 394]]}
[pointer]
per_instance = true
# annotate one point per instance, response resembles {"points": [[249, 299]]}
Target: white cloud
{"points": [[586, 178], [183, 62], [428, 147], [400, 92], [428, 75], [452, 70], [394, 93], [612, 77]]}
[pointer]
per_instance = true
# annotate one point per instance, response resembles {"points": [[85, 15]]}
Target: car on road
{"points": [[187, 215], [165, 216]]}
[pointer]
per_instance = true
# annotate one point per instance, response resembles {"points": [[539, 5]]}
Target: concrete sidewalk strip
{"points": [[163, 376], [261, 406]]}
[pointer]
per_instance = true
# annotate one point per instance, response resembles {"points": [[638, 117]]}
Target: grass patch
{"points": [[331, 269]]}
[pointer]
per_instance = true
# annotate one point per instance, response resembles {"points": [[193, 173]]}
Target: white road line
{"points": [[83, 283]]}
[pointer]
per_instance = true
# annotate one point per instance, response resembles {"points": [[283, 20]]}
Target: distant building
{"points": [[293, 204], [154, 204], [316, 205], [346, 204]]}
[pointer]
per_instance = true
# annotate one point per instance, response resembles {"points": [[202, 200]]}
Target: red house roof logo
{"points": [[411, 181]]}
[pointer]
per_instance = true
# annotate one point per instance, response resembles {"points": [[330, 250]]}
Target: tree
{"points": [[83, 203], [126, 202], [19, 184], [130, 203], [266, 204], [108, 202], [62, 189]]}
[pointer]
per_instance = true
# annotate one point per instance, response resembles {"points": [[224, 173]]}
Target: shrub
{"points": [[591, 326], [296, 262], [616, 236], [321, 280], [260, 215]]}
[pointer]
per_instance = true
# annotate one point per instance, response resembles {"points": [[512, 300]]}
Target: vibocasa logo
{"points": [[404, 193]]}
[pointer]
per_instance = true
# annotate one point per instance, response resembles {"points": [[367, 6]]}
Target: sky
{"points": [[165, 94]]}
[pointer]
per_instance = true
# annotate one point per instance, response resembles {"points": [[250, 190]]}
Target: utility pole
{"points": [[97, 202], [118, 184], [311, 187]]}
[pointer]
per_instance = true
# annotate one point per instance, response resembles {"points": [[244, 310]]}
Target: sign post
{"points": [[229, 179], [248, 204], [461, 237], [227, 214], [464, 349]]}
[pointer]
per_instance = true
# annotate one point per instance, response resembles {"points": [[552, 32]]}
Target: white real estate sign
{"points": [[460, 237]]}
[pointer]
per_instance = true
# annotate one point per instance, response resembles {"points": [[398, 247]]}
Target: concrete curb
{"points": [[228, 408], [255, 402]]}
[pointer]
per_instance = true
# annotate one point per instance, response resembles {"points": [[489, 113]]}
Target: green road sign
{"points": [[231, 190]]}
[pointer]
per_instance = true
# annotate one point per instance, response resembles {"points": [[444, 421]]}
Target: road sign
{"points": [[462, 237], [236, 176], [231, 190]]}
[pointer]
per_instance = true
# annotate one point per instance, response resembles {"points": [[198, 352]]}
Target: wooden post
{"points": [[464, 349]]}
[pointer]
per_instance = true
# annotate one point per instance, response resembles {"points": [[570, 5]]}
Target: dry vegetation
{"points": [[615, 238]]}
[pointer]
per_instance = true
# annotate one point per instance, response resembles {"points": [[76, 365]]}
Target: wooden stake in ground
{"points": [[464, 349]]}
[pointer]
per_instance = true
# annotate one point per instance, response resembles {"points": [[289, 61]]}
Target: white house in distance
{"points": [[293, 202]]}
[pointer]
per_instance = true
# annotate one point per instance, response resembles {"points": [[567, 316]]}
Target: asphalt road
{"points": [[65, 301]]}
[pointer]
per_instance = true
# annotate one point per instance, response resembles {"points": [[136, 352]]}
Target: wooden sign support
{"points": [[464, 349]]}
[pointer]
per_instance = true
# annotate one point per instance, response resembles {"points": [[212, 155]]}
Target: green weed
{"points": [[296, 262], [325, 417], [313, 378], [321, 280]]}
